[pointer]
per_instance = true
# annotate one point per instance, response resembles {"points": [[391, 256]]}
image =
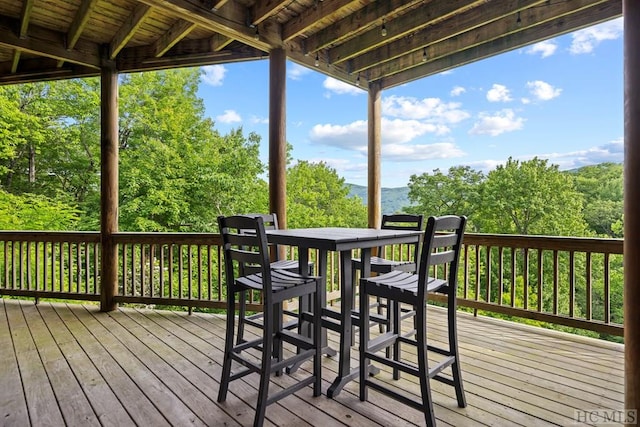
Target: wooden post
{"points": [[631, 12], [108, 186], [374, 190], [278, 135]]}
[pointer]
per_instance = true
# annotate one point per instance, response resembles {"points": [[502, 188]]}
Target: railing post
{"points": [[631, 12], [108, 186]]}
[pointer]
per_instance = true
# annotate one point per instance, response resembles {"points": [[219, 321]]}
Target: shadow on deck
{"points": [[69, 364]]}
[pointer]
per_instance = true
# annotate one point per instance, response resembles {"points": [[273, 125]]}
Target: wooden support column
{"points": [[374, 190], [631, 12], [278, 135], [108, 186]]}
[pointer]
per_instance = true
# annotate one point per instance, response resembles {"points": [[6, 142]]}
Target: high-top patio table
{"points": [[343, 241]]}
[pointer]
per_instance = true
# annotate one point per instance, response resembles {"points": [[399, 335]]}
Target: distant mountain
{"points": [[393, 199]]}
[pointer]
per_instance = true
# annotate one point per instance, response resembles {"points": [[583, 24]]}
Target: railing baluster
{"points": [[540, 279], [488, 255], [588, 290], [555, 282], [513, 278], [607, 290], [572, 283]]}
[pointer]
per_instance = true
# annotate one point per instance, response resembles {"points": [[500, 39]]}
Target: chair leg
{"points": [[228, 347], [242, 313], [265, 373], [354, 287], [453, 349], [397, 330], [423, 366], [317, 341], [364, 342]]}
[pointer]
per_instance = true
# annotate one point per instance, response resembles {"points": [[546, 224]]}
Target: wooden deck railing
{"points": [[576, 282]]}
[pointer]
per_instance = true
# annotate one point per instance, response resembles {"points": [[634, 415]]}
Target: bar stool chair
{"points": [[381, 265], [270, 222], [243, 250], [440, 253]]}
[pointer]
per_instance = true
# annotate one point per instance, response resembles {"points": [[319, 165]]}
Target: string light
{"points": [[257, 34], [518, 20], [317, 59], [358, 80], [424, 54], [383, 30]]}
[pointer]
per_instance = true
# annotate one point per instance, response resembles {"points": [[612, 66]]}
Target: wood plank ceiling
{"points": [[357, 41]]}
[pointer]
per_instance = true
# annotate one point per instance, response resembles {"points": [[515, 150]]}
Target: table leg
{"points": [[345, 373]]}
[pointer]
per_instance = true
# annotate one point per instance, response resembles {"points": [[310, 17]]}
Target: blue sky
{"points": [[561, 99]]}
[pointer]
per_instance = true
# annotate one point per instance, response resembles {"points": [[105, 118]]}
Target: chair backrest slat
{"points": [[245, 249], [403, 222], [441, 246]]}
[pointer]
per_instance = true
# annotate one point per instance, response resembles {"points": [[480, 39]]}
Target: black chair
{"points": [[381, 265], [270, 222], [249, 250], [440, 255]]}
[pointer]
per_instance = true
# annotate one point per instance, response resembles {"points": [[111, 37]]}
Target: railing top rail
{"points": [[50, 236], [168, 238], [560, 243]]}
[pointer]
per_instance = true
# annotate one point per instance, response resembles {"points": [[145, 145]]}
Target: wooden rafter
{"points": [[45, 42], [219, 42], [25, 16], [320, 12], [177, 32], [465, 22], [263, 9], [351, 25], [127, 31], [550, 28], [80, 21], [400, 27], [15, 60]]}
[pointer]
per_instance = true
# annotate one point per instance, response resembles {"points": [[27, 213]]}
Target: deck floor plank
{"points": [[73, 403], [108, 409], [13, 404], [41, 400], [154, 367]]}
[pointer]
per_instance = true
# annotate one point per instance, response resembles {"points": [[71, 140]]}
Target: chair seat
{"points": [[399, 285], [280, 279], [382, 265]]}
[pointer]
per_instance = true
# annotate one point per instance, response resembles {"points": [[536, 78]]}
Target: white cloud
{"points": [[296, 71], [610, 152], [353, 136], [340, 87], [411, 152], [213, 74], [498, 93], [525, 100], [229, 116], [543, 91], [457, 91], [585, 41], [259, 120], [544, 48], [498, 123], [433, 110]]}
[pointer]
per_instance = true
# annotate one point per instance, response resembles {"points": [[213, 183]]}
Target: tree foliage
{"points": [[602, 187]]}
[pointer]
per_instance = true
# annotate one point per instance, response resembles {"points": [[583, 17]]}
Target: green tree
{"points": [[531, 197], [602, 188], [457, 192], [318, 197], [35, 212]]}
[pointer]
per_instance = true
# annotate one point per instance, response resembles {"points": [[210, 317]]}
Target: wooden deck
{"points": [[68, 364]]}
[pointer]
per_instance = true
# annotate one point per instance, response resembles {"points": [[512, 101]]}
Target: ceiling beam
{"points": [[128, 30], [464, 22], [397, 28], [219, 42], [41, 69], [177, 32], [42, 41], [321, 11], [15, 60], [229, 21], [552, 28]]}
